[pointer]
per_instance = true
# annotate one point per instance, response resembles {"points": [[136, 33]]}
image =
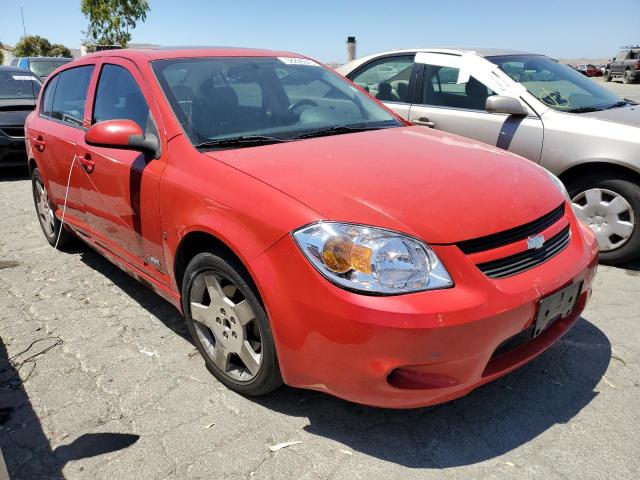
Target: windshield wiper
{"points": [[242, 141], [338, 129], [585, 109], [621, 103]]}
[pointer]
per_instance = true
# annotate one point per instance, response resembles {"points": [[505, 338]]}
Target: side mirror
{"points": [[122, 134], [508, 105]]}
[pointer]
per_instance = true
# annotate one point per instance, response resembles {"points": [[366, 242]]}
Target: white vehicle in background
{"points": [[533, 106]]}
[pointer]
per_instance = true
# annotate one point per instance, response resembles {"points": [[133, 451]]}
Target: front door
{"points": [[121, 191], [449, 101]]}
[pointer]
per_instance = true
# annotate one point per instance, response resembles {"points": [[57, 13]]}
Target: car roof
{"points": [[32, 59], [14, 69], [159, 53], [483, 52]]}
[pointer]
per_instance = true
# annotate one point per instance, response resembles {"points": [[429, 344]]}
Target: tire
{"points": [[607, 75], [619, 250], [627, 77], [52, 228], [229, 325]]}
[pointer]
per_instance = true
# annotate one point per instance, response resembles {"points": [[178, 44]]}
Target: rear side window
{"points": [[118, 97], [69, 95], [387, 79], [46, 106]]}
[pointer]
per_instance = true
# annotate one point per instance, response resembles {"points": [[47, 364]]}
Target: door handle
{"points": [[425, 122], [86, 162], [39, 143]]}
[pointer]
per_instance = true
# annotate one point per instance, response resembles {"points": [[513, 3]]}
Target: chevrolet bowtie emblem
{"points": [[536, 242]]}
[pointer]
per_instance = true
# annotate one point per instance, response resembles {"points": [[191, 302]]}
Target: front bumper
{"points": [[352, 345], [12, 151]]}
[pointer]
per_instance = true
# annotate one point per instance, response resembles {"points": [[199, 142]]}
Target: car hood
{"points": [[629, 115], [434, 185]]}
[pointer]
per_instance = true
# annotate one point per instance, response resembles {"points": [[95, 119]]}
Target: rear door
{"points": [[122, 189], [53, 137], [451, 96]]}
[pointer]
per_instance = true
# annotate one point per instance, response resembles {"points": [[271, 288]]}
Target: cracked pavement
{"points": [[126, 395]]}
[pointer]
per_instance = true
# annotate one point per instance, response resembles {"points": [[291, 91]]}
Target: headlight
{"points": [[559, 185], [371, 260]]}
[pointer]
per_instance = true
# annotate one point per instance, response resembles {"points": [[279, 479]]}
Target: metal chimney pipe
{"points": [[351, 48]]}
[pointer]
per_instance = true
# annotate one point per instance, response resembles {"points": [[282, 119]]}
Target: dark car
{"points": [[625, 65], [40, 66], [18, 90]]}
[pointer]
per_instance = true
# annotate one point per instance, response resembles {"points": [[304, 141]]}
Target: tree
{"points": [[110, 20], [37, 46], [1, 56]]}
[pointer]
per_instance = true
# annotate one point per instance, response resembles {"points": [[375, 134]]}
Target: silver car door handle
{"points": [[424, 121]]}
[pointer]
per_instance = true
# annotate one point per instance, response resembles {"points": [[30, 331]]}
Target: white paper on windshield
{"points": [[23, 77], [298, 61]]}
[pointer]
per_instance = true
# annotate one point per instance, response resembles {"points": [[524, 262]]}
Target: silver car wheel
{"points": [[226, 326], [44, 210], [608, 214]]}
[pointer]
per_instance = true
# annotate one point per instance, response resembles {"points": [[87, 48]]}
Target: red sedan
{"points": [[307, 233]]}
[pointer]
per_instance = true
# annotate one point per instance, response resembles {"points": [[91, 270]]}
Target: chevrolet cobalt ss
{"points": [[307, 233]]}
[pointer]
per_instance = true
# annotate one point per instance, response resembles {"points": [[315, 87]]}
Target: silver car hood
{"points": [[629, 115]]}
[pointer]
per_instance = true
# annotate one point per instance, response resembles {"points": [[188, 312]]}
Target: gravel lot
{"points": [[122, 393], [630, 91]]}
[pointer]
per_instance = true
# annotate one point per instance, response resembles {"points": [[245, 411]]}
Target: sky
{"points": [[558, 28]]}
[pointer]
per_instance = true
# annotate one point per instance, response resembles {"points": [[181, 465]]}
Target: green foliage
{"points": [[111, 20], [1, 57], [37, 46]]}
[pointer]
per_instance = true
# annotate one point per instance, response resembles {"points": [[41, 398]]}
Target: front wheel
{"points": [[229, 326], [607, 75], [610, 206], [627, 77]]}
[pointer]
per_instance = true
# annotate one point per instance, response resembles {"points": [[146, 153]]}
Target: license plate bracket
{"points": [[556, 306]]}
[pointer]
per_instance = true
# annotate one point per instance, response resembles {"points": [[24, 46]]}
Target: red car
{"points": [[307, 233]]}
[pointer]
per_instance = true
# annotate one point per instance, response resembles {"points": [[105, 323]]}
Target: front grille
{"points": [[506, 237], [13, 131], [507, 266]]}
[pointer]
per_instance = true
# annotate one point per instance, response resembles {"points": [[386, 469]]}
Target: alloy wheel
{"points": [[43, 208], [226, 326], [608, 214]]}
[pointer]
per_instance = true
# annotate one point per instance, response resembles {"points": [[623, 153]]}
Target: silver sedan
{"points": [[533, 106]]}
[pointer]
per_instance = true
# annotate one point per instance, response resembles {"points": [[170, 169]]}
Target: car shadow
{"points": [[11, 174], [489, 422], [26, 449], [485, 424], [139, 293]]}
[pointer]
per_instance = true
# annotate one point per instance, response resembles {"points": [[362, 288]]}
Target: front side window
{"points": [[279, 98], [19, 85], [118, 97], [622, 56], [387, 79], [71, 95], [440, 87], [556, 85]]}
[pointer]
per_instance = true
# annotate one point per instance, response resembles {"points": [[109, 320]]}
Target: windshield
{"points": [[272, 98], [556, 85], [17, 84], [43, 68]]}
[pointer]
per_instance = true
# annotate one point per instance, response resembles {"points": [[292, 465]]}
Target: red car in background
{"points": [[307, 233], [589, 70]]}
